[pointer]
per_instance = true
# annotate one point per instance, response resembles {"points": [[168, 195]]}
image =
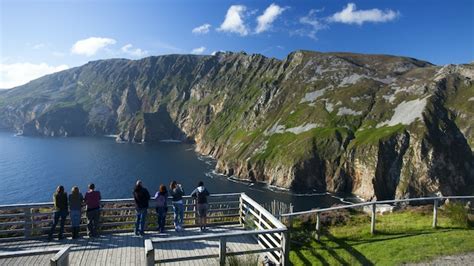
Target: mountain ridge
{"points": [[379, 126]]}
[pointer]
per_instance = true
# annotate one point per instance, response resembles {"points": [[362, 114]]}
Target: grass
{"points": [[374, 135], [401, 237]]}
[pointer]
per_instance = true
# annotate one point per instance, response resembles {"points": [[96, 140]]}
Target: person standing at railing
{"points": [[60, 212], [177, 193], [201, 194], [75, 206], [141, 196], [161, 197], [92, 200]]}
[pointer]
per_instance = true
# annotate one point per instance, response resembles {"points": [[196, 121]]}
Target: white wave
{"points": [[111, 136], [239, 180], [277, 188]]}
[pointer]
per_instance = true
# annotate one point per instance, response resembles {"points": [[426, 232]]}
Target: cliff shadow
{"points": [[160, 126]]}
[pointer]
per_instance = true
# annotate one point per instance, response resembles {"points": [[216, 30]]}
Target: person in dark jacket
{"points": [[92, 200], [141, 196], [177, 193], [75, 206], [161, 198], [60, 212], [201, 194]]}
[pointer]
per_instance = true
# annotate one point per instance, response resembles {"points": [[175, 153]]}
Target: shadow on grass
{"points": [[349, 249], [332, 251], [385, 236], [302, 257], [332, 248]]}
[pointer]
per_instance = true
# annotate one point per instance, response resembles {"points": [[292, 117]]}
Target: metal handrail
{"points": [[371, 203], [126, 200]]}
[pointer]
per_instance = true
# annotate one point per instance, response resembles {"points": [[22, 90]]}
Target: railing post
{"points": [[435, 213], [149, 253], [196, 222], [290, 222], [241, 210], [28, 224], [372, 221], [222, 250], [61, 258], [285, 248], [318, 227]]}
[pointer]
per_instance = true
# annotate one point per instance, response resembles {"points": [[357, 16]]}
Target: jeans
{"points": [[93, 217], [75, 218], [161, 215], [58, 214], [178, 209], [141, 220]]}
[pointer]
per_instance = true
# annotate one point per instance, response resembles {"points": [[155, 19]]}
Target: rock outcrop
{"points": [[375, 125]]}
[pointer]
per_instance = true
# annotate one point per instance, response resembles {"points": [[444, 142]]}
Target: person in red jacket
{"points": [[92, 200]]}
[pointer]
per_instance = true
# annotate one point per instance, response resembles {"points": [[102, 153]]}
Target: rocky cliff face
{"points": [[378, 126]]}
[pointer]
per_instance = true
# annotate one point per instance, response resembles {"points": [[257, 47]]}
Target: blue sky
{"points": [[40, 37]]}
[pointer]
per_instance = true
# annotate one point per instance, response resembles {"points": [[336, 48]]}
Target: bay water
{"points": [[32, 167]]}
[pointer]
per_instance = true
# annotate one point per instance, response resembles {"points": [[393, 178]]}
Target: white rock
{"points": [[302, 128], [406, 112], [348, 111]]}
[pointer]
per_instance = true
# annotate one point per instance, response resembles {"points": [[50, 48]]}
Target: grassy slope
{"points": [[401, 237]]}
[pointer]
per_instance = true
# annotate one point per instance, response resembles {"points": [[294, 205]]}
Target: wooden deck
{"points": [[128, 249]]}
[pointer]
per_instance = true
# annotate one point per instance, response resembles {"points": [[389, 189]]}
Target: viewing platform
{"points": [[238, 229]]}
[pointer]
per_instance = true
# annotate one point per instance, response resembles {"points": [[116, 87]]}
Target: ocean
{"points": [[32, 167]]}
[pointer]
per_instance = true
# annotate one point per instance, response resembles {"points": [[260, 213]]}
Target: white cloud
{"points": [[58, 54], [203, 29], [350, 15], [91, 46], [133, 52], [16, 74], [316, 24], [269, 15], [198, 50], [233, 21], [39, 46]]}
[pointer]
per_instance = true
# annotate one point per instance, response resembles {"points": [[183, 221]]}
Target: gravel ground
{"points": [[463, 259]]}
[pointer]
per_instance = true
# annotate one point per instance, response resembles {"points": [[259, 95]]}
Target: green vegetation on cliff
{"points": [[374, 125]]}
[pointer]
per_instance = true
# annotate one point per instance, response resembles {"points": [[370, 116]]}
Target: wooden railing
{"points": [[373, 205], [254, 215], [60, 258], [33, 220], [270, 233]]}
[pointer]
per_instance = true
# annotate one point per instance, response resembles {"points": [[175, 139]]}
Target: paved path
{"points": [[461, 259], [127, 249]]}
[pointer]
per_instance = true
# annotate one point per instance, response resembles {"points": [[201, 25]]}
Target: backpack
{"points": [[161, 200], [201, 197]]}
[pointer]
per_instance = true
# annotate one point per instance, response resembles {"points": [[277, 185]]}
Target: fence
{"points": [[269, 231], [33, 220], [373, 205]]}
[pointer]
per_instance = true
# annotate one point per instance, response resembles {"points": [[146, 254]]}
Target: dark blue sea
{"points": [[32, 167]]}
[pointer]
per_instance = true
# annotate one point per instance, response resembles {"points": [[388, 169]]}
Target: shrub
{"points": [[457, 213], [247, 260]]}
